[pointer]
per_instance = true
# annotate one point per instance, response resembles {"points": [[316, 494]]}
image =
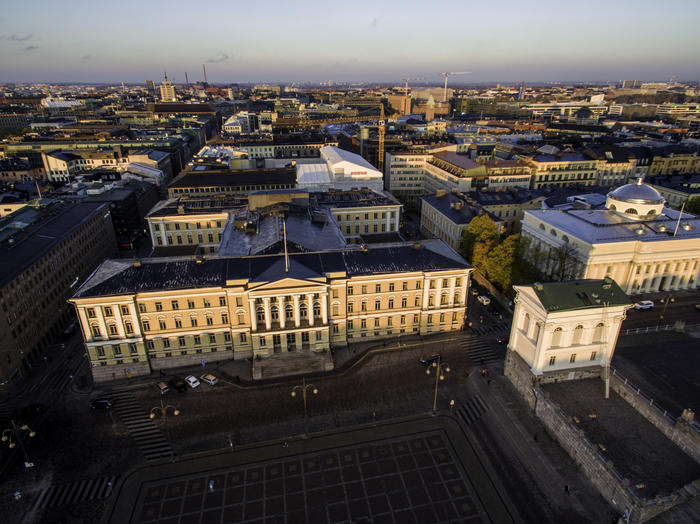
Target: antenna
{"points": [[678, 223]]}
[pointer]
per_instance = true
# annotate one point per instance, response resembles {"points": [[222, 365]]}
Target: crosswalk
{"points": [[497, 328], [473, 409], [76, 492], [479, 351], [148, 437]]}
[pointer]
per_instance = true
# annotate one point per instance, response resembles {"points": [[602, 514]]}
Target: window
{"points": [[363, 323], [593, 354], [305, 336], [142, 308], [166, 343], [181, 341], [349, 324], [403, 319], [212, 338], [161, 323], [418, 284], [124, 310], [391, 286], [149, 344], [335, 328], [378, 288], [377, 305], [222, 301], [432, 284], [335, 293], [193, 321], [458, 282], [391, 303], [262, 341], [317, 309], [133, 349], [572, 358], [190, 304], [224, 318], [159, 306], [241, 318], [404, 286], [174, 304], [442, 317], [443, 299], [319, 336], [552, 360], [578, 334], [364, 290], [178, 323], [417, 301], [242, 337], [556, 337], [107, 311], [349, 290], [146, 325], [227, 337], [598, 333], [129, 328], [260, 314], [349, 307], [389, 321], [206, 302], [117, 350], [430, 319]]}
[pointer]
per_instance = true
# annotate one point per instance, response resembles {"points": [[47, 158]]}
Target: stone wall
{"points": [[193, 359], [120, 371], [679, 432], [601, 472]]}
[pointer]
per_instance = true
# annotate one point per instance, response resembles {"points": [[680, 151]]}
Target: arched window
{"points": [[289, 312], [274, 313], [554, 233], [443, 299], [377, 304], [317, 309], [526, 323], [612, 207], [578, 335], [260, 314], [565, 239], [599, 333], [631, 211], [651, 212], [536, 333], [542, 227], [303, 313], [556, 337]]}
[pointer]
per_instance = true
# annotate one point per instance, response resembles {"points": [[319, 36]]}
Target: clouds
{"points": [[375, 21], [87, 57], [31, 48], [17, 38], [222, 58]]}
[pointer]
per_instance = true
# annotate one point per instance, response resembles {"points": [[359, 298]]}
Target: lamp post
{"points": [[304, 388], [439, 366], [14, 431], [162, 410], [452, 405]]}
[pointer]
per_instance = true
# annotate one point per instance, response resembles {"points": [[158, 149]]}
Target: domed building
{"points": [[636, 240]]}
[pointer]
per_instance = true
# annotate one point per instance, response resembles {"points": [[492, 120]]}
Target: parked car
{"points": [[504, 339], [644, 304], [484, 300], [209, 379], [428, 361], [101, 403], [163, 388], [474, 291], [178, 385], [192, 381]]}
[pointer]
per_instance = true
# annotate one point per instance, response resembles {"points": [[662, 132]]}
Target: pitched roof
{"points": [[580, 294]]}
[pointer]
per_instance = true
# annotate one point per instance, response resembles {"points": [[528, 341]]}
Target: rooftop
{"points": [[249, 177], [580, 294], [460, 161]]}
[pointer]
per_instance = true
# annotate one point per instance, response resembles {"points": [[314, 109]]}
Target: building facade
{"points": [[137, 316], [45, 252]]}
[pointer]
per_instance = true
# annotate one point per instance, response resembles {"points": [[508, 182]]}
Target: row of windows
{"points": [[162, 324], [402, 320], [444, 300], [181, 341], [572, 358], [291, 338], [107, 311], [198, 225], [404, 286], [392, 214]]}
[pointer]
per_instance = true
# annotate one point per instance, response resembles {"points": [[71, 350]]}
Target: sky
{"points": [[360, 41]]}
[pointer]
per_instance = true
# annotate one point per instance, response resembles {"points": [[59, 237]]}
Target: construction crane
{"points": [[381, 130], [446, 75], [406, 103]]}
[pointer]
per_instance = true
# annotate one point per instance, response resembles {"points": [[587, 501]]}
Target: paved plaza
{"points": [[418, 470]]}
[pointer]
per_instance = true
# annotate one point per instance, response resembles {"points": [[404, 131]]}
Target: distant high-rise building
{"points": [[151, 87], [631, 84], [167, 91]]}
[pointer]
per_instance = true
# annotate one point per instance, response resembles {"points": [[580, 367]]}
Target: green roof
{"points": [[580, 294]]}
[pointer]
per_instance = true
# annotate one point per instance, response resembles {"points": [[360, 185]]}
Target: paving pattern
{"points": [[473, 409], [76, 492], [407, 479], [148, 437], [479, 351]]}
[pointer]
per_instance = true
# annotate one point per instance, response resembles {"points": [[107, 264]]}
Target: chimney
{"points": [[204, 68]]}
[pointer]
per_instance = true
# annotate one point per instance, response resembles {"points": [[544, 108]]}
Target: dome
{"points": [[637, 193]]}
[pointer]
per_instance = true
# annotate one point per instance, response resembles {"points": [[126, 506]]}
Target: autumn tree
{"points": [[481, 231]]}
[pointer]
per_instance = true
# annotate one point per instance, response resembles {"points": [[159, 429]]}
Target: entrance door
{"points": [[291, 342]]}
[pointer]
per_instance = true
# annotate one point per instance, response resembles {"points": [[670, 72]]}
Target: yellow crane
{"points": [[381, 130], [447, 75]]}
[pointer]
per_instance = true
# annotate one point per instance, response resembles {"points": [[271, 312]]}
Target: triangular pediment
{"points": [[286, 283]]}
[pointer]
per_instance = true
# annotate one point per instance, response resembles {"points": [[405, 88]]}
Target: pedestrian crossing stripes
{"points": [[148, 437], [498, 328], [76, 492], [479, 351], [473, 409]]}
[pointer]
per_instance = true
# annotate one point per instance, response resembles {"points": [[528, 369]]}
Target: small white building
{"points": [[339, 169], [564, 330]]}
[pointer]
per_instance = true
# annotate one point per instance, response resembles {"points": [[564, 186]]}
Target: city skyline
{"points": [[318, 42]]}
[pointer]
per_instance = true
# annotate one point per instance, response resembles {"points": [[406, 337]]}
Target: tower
{"points": [[167, 90]]}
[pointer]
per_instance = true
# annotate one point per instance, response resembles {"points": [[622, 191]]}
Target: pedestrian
{"points": [[567, 489], [488, 381], [211, 485], [286, 444], [70, 377]]}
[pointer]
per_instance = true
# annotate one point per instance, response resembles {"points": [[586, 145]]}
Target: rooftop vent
{"points": [[417, 246], [199, 260], [137, 263], [686, 227], [662, 229], [639, 231], [440, 193], [538, 286]]}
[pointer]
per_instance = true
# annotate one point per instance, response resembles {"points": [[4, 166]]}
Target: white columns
{"points": [[296, 310], [438, 293], [282, 311], [116, 310], [426, 292], [324, 308], [268, 319], [101, 321], [135, 322], [310, 308], [452, 291], [253, 315]]}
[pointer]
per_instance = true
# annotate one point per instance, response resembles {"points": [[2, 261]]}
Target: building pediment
{"points": [[287, 284]]}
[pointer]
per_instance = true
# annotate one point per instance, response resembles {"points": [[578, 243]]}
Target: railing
{"points": [[653, 329], [638, 391]]}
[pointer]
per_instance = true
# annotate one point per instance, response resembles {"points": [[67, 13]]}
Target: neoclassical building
{"points": [[636, 240], [564, 330], [138, 316]]}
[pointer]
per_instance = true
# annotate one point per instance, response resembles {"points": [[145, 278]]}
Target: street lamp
{"points": [[162, 410], [304, 388], [439, 367], [452, 405], [14, 431]]}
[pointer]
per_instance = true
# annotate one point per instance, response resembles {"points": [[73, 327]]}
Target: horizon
{"points": [[316, 42]]}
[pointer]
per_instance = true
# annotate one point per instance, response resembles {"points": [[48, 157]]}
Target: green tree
{"points": [[480, 230], [501, 261], [693, 206]]}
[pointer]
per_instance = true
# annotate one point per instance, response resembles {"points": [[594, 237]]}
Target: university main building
{"points": [[138, 316]]}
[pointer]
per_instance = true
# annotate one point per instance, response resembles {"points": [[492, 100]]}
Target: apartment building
{"points": [[45, 252], [561, 169], [138, 316]]}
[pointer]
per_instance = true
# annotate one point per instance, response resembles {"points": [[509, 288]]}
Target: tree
{"points": [[693, 206], [564, 262], [481, 229], [500, 263]]}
